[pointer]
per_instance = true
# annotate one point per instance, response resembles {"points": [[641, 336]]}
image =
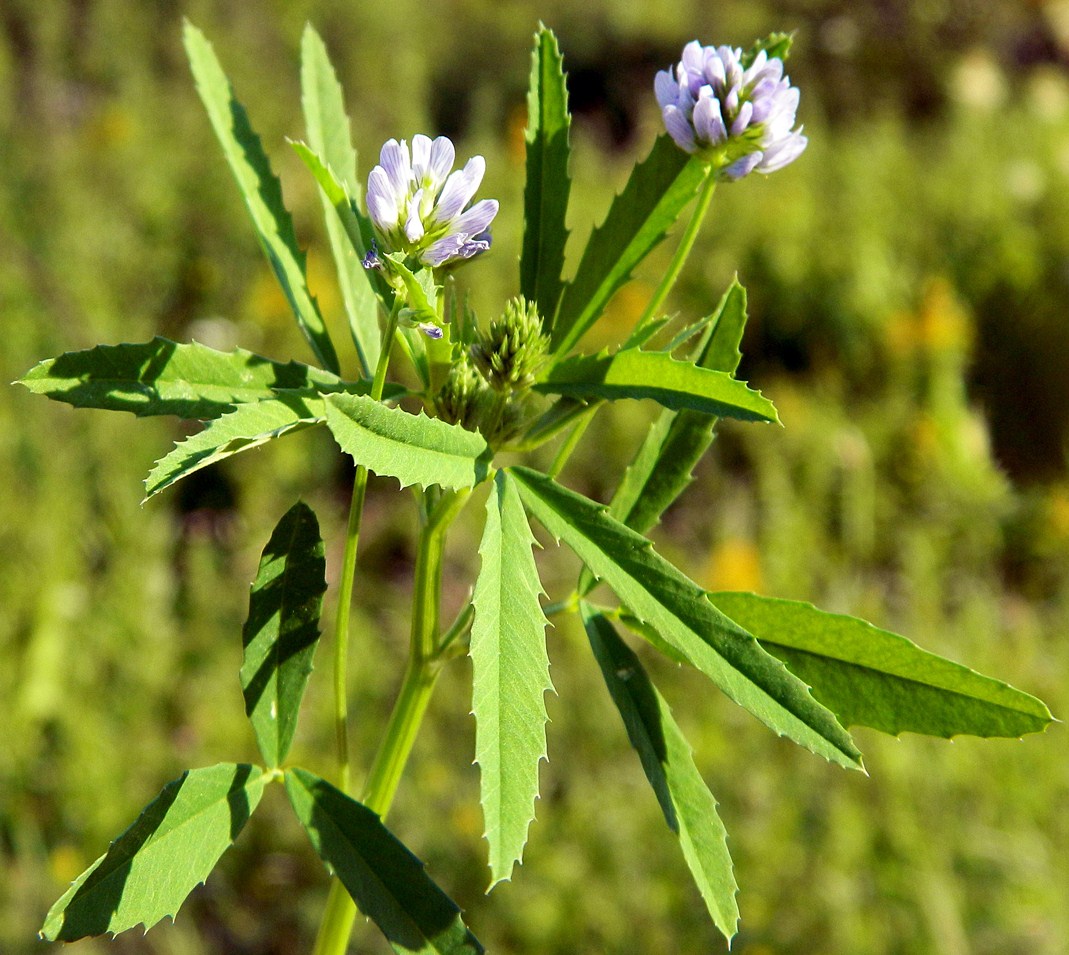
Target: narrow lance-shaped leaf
{"points": [[545, 197], [248, 426], [386, 881], [172, 847], [510, 675], [162, 377], [261, 191], [658, 376], [282, 630], [639, 218], [414, 449], [870, 677], [689, 808], [329, 136], [665, 599]]}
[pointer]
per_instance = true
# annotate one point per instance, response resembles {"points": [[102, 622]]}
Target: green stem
{"points": [[705, 197], [572, 441]]}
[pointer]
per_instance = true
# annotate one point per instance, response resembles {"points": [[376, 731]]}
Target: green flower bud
{"points": [[510, 354]]}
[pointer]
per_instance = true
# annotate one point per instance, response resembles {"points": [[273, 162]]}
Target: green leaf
{"points": [[248, 426], [282, 630], [664, 598], [162, 377], [150, 869], [656, 375], [386, 881], [870, 677], [639, 218], [664, 465], [329, 136], [510, 675], [261, 191], [688, 806], [545, 197], [414, 449]]}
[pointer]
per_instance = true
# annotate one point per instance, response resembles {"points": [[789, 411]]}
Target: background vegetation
{"points": [[909, 279]]}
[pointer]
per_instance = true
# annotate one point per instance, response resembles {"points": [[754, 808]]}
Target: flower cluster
{"points": [[419, 206], [740, 117]]}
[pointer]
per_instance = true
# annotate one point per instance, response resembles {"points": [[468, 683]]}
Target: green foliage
{"points": [[282, 630], [658, 376], [677, 609], [150, 869], [869, 677], [510, 676], [638, 219], [162, 377], [261, 191], [414, 449], [386, 881], [329, 136], [545, 197], [668, 761]]}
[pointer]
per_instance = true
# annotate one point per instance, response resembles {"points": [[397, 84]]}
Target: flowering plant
{"points": [[512, 384]]}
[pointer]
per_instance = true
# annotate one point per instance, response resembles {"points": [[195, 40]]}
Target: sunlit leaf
{"points": [[172, 847], [689, 808], [870, 677], [413, 448], [162, 377], [659, 189], [510, 675], [545, 197], [261, 191], [282, 630], [386, 881], [673, 605]]}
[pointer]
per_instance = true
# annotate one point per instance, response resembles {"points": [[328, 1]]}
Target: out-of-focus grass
{"points": [[907, 268]]}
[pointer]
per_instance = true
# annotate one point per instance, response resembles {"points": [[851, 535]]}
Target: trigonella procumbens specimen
{"points": [[419, 208], [740, 116]]}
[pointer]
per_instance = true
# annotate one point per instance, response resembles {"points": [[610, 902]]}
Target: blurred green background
{"points": [[909, 280]]}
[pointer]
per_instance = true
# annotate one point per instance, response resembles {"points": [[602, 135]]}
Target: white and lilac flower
{"points": [[419, 206], [740, 117]]}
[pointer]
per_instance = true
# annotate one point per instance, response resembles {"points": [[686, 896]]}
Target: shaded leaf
{"points": [[414, 449], [689, 808], [510, 675], [665, 599], [656, 375], [282, 630], [638, 220], [260, 189], [386, 881], [162, 377], [329, 136], [870, 677], [545, 197], [172, 847]]}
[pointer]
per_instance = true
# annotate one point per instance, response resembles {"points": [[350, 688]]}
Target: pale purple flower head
{"points": [[739, 117], [419, 207]]}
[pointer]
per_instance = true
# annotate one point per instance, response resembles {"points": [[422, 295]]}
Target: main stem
{"points": [[421, 675]]}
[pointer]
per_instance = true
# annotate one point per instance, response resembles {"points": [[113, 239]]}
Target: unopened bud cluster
{"points": [[510, 353]]}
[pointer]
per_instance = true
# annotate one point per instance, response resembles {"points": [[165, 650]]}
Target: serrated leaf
{"points": [[414, 449], [386, 881], [638, 220], [261, 191], [688, 806], [248, 426], [545, 197], [329, 135], [663, 597], [162, 377], [656, 375], [172, 847], [282, 630], [871, 677], [510, 676]]}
